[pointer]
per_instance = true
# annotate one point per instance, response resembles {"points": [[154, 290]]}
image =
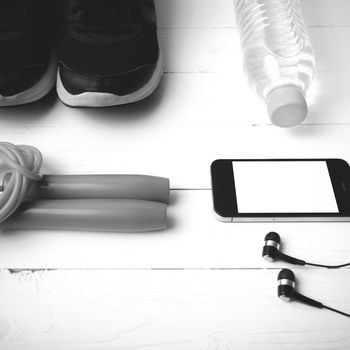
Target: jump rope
{"points": [[29, 200]]}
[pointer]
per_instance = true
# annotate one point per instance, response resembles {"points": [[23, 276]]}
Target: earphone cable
{"points": [[337, 311], [328, 266]]}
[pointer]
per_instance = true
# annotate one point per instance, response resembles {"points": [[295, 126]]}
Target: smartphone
{"points": [[281, 190]]}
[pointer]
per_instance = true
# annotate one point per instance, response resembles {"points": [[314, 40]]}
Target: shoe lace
{"points": [[102, 17], [13, 15]]}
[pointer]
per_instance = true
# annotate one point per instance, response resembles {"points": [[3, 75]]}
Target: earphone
{"points": [[286, 291], [271, 252], [286, 277], [29, 200]]}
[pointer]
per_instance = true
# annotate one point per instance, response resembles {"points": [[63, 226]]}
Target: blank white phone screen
{"points": [[284, 187]]}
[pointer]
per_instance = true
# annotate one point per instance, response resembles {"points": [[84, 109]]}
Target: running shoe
{"points": [[27, 66], [108, 52]]}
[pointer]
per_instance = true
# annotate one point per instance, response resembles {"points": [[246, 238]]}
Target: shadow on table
{"points": [[34, 111], [126, 113]]}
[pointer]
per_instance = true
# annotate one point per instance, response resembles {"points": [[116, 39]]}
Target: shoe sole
{"points": [[103, 99], [37, 91]]}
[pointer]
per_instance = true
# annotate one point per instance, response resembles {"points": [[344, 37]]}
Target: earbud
{"points": [[271, 250], [286, 291], [272, 246], [286, 284]]}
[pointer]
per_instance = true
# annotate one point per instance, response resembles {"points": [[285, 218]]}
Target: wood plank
{"points": [[203, 50], [81, 142], [218, 51], [328, 13], [183, 100], [194, 13], [169, 310], [210, 13], [195, 239]]}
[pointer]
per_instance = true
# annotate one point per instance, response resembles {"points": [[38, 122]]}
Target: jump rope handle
{"points": [[108, 215], [142, 187]]}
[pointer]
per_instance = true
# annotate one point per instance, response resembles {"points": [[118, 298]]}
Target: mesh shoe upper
{"points": [[107, 37]]}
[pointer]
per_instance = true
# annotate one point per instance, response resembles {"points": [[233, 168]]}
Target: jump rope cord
{"points": [[21, 165]]}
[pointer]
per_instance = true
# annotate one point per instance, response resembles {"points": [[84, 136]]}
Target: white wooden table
{"points": [[201, 284]]}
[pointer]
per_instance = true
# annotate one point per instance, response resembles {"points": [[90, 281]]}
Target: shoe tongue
{"points": [[112, 13], [102, 16]]}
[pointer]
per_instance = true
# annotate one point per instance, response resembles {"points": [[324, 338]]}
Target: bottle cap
{"points": [[287, 106]]}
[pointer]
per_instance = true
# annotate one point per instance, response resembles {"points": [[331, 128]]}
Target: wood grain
{"points": [[189, 310]]}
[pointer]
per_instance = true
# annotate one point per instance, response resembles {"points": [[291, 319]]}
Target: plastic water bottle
{"points": [[278, 56]]}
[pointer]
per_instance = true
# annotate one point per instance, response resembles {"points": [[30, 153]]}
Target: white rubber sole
{"points": [[101, 99], [37, 91]]}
